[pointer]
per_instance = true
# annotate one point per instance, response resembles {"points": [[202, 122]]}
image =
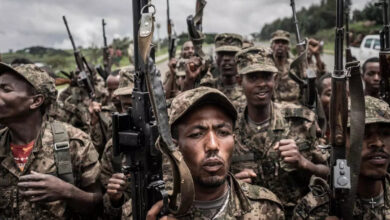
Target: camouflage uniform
{"points": [[84, 159], [245, 201], [315, 205], [255, 142], [126, 86], [286, 89], [226, 43]]}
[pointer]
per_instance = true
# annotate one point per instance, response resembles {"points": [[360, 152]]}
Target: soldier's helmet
{"points": [[280, 35], [191, 99], [37, 78], [255, 59], [126, 81], [377, 111], [228, 42]]}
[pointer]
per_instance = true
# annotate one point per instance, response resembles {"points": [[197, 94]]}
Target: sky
{"points": [[28, 23]]}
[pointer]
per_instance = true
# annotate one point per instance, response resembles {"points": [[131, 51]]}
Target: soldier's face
{"points": [[125, 102], [325, 94], [206, 140], [112, 85], [376, 151], [226, 64], [188, 50], [372, 76], [280, 48], [258, 88], [15, 97]]}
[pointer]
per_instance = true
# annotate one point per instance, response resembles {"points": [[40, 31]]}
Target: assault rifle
{"points": [[384, 54], [194, 24], [345, 171], [85, 76], [171, 37], [306, 76], [106, 57], [135, 132], [348, 53]]}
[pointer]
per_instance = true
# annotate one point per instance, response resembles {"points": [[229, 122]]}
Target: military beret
{"points": [[255, 59]]}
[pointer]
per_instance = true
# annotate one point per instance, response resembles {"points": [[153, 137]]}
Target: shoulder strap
{"points": [[61, 152]]}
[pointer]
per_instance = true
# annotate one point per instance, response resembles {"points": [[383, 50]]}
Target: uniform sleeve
{"points": [[85, 158]]}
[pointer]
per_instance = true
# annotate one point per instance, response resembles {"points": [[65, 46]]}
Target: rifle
{"points": [[345, 171], [306, 77], [348, 53], [106, 58], [171, 38], [84, 79], [194, 24], [135, 132], [384, 54]]}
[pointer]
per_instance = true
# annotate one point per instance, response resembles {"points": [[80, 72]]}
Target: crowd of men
{"points": [[253, 150]]}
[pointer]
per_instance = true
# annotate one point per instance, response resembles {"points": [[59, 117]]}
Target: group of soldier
{"points": [[254, 152]]}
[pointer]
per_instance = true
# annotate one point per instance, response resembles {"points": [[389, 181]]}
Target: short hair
{"points": [[320, 86], [369, 60]]}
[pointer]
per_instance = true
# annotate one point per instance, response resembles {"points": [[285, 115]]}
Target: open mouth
{"points": [[262, 94], [378, 158]]}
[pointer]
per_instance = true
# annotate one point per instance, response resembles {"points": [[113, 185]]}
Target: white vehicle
{"points": [[369, 47]]}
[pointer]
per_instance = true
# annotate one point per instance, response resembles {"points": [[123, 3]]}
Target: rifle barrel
{"points": [[104, 33], [70, 35], [339, 42], [298, 35]]}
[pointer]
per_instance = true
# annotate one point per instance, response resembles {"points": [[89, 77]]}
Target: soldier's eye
{"points": [[195, 135], [224, 133]]}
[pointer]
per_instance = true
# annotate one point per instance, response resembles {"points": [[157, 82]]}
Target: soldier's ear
{"points": [[38, 101]]}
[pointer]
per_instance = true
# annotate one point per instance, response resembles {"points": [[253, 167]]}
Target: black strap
{"points": [[61, 152]]}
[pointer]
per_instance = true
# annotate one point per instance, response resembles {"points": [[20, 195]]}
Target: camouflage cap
{"points": [[280, 35], [377, 111], [228, 42], [126, 81], [255, 59], [190, 99], [37, 77]]}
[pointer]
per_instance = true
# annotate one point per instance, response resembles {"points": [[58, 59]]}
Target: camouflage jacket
{"points": [[245, 201], [96, 132], [315, 205], [85, 164], [254, 150], [286, 89], [234, 93]]}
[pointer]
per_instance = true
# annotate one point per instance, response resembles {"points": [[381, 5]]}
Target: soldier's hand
{"points": [[116, 186], [289, 151], [40, 187], [94, 108], [155, 210], [193, 68], [246, 175], [314, 46], [172, 65]]}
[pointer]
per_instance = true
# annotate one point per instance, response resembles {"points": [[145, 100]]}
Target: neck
{"points": [[259, 113], [19, 134], [372, 92], [228, 80], [369, 188], [279, 60], [208, 194]]}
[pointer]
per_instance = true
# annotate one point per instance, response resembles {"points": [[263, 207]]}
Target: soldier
{"points": [[373, 191], [276, 146], [112, 83], [175, 66], [202, 122], [117, 203], [371, 76], [48, 169], [226, 47], [286, 89]]}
